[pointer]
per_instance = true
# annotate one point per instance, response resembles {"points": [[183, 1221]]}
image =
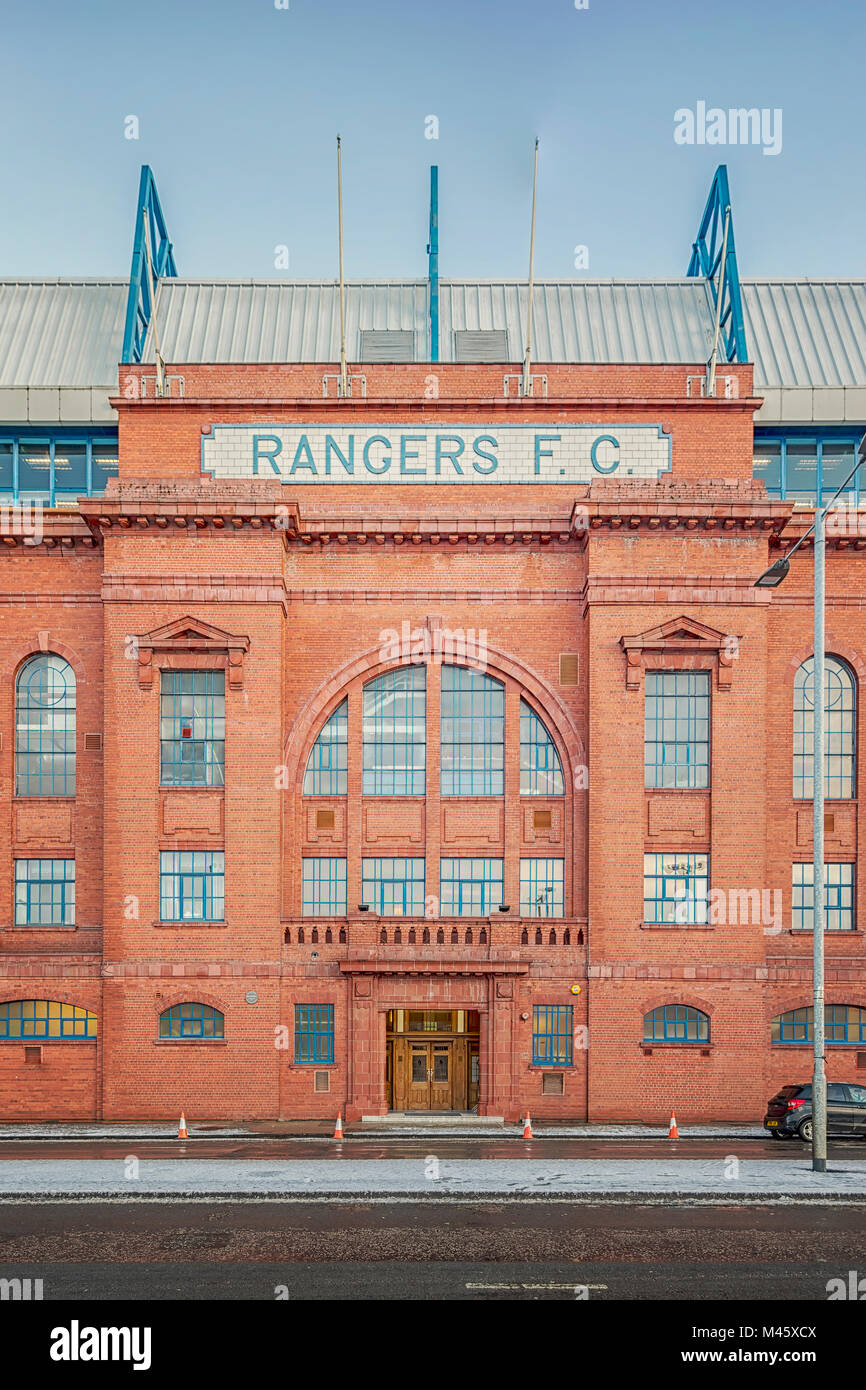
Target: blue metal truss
{"points": [[706, 261], [138, 305], [433, 262]]}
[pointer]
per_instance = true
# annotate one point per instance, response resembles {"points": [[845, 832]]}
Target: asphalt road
{"points": [[530, 1252]]}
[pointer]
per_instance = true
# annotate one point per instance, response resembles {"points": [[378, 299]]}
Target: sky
{"points": [[236, 105]]}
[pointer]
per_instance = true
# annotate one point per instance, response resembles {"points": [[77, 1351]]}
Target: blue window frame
{"points": [[542, 887], [802, 467], [395, 733], [324, 887], [191, 1020], [473, 733], [45, 727], [470, 887], [314, 1033], [552, 1035], [677, 729], [192, 729], [675, 888], [56, 467], [45, 1018], [844, 1024], [676, 1023], [838, 897], [45, 892], [192, 885], [394, 887], [840, 726], [327, 764], [540, 768]]}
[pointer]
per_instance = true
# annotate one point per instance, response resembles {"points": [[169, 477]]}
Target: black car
{"points": [[790, 1111]]}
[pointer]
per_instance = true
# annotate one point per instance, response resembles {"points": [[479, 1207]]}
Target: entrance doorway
{"points": [[433, 1061]]}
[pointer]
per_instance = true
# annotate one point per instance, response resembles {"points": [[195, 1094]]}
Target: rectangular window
{"points": [[314, 1033], [7, 479], [192, 885], [767, 465], [45, 892], [801, 470], [395, 733], [677, 729], [70, 468], [394, 887], [324, 887], [837, 461], [838, 897], [103, 466], [34, 469], [473, 733], [192, 729], [675, 888], [542, 887], [552, 1035], [470, 887]]}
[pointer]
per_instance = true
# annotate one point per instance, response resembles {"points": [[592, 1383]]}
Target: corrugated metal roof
{"points": [[61, 332], [582, 321], [806, 332]]}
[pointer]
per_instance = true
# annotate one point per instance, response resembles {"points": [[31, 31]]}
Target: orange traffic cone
{"points": [[527, 1127], [673, 1132], [338, 1128], [181, 1129]]}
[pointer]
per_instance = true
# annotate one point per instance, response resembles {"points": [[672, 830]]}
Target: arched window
{"points": [[676, 1023], [839, 730], [45, 1018], [45, 728], [540, 768], [843, 1023], [326, 765], [191, 1021], [473, 733], [394, 721]]}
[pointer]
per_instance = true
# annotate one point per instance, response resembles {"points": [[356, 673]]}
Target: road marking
{"points": [[555, 1287]]}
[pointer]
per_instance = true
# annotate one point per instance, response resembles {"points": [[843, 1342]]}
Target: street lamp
{"points": [[771, 579]]}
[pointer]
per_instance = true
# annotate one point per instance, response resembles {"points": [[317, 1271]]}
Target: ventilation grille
{"points": [[33, 1056], [325, 818], [322, 1081], [481, 345], [93, 742], [542, 819], [552, 1083], [569, 668], [387, 345]]}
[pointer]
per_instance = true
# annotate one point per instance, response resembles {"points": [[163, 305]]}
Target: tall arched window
{"points": [[676, 1023], [45, 727], [839, 730], [327, 763], [45, 1018], [191, 1020], [540, 768], [395, 739], [473, 733]]}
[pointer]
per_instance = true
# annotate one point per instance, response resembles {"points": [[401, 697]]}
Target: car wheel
{"points": [[805, 1131]]}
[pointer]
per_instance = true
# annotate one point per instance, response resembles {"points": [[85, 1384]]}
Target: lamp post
{"points": [[771, 579]]}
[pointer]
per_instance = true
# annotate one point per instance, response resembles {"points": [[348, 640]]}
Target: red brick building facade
{"points": [[287, 584]]}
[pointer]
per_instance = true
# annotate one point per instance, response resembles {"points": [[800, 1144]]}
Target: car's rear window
{"points": [[788, 1091]]}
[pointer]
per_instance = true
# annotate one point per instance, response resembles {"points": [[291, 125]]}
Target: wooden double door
{"points": [[432, 1074]]}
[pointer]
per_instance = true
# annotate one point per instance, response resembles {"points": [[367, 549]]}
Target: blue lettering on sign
{"points": [[309, 462], [452, 454], [544, 453], [386, 462], [411, 453], [269, 454], [482, 454], [593, 453], [348, 463]]}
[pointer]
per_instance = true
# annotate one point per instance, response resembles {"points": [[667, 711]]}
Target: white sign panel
{"points": [[407, 453]]}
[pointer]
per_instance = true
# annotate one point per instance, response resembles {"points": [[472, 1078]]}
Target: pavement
{"points": [[724, 1178], [318, 1129]]}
